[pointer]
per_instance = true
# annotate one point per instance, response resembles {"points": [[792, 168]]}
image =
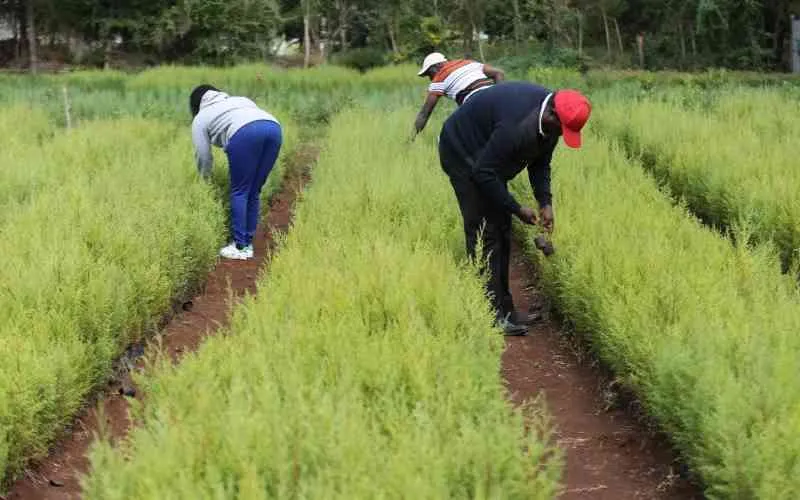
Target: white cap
{"points": [[430, 60]]}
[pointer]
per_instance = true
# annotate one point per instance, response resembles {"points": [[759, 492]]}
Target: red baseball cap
{"points": [[573, 110]]}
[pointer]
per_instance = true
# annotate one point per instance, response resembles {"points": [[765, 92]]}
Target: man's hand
{"points": [[425, 112], [548, 221], [528, 216], [420, 123]]}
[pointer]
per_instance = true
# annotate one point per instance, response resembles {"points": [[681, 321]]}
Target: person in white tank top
{"points": [[458, 80]]}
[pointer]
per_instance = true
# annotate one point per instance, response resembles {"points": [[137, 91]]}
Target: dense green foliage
{"points": [[734, 164], [358, 349], [704, 332], [107, 224], [366, 366], [521, 33], [111, 228]]}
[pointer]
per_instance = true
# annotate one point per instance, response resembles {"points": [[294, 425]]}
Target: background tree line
{"points": [[685, 34]]}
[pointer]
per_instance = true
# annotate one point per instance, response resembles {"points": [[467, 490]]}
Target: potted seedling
{"points": [[543, 244]]}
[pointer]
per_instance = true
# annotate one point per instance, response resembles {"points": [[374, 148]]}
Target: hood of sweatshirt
{"points": [[212, 97]]}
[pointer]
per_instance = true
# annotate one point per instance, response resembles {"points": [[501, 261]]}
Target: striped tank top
{"points": [[459, 79]]}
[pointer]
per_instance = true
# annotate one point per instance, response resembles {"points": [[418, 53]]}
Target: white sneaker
{"points": [[231, 252], [248, 250]]}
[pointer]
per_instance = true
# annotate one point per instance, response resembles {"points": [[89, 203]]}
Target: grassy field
{"points": [[734, 165], [704, 332], [24, 170], [90, 263], [119, 223], [107, 225], [359, 347], [365, 368]]}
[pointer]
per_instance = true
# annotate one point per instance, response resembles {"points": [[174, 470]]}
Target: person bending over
{"points": [[251, 139], [458, 80], [482, 146]]}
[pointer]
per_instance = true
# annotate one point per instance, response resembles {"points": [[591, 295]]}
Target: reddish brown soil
{"points": [[610, 454], [57, 476]]}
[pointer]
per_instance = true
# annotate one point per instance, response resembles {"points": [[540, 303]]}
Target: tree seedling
{"points": [[544, 245]]}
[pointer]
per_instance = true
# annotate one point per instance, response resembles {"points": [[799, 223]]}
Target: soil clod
{"points": [[127, 391], [544, 245]]}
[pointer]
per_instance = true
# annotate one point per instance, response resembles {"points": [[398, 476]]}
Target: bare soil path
{"points": [[57, 477], [609, 453]]}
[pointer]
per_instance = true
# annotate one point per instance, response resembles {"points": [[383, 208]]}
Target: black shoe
{"points": [[526, 319], [511, 329]]}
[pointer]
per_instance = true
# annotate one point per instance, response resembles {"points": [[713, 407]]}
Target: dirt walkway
{"points": [[57, 477], [609, 454]]}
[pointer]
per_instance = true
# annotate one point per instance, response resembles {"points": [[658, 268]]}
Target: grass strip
{"points": [[704, 332], [725, 169], [93, 263], [365, 367]]}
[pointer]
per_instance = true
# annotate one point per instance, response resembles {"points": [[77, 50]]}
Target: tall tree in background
{"points": [[343, 10], [216, 30], [682, 33], [518, 27], [308, 9], [30, 14], [390, 17], [471, 16], [609, 12]]}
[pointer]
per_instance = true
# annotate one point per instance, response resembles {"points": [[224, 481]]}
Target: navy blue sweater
{"points": [[496, 135]]}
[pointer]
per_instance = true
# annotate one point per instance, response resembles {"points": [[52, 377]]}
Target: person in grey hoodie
{"points": [[251, 138]]}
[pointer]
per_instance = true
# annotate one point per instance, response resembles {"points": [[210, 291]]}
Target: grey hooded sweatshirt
{"points": [[220, 116]]}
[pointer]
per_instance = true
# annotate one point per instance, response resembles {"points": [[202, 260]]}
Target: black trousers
{"points": [[482, 219]]}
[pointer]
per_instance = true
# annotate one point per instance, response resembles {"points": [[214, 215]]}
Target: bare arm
{"points": [[495, 74], [425, 112]]}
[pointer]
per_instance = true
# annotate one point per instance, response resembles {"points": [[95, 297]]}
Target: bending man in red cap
{"points": [[499, 132]]}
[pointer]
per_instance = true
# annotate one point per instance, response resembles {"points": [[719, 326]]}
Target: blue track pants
{"points": [[252, 152]]}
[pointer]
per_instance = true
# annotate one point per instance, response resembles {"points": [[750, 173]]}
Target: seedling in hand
{"points": [[544, 245]]}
